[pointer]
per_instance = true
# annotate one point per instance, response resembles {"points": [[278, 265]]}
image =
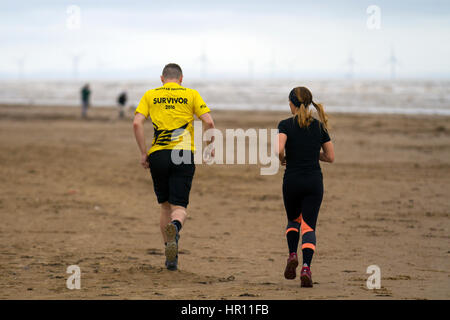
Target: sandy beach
{"points": [[72, 192]]}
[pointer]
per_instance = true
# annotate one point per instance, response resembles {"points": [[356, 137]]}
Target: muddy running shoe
{"points": [[172, 265], [291, 266], [305, 277], [171, 247]]}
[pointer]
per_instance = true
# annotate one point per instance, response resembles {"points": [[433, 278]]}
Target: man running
{"points": [[171, 109]]}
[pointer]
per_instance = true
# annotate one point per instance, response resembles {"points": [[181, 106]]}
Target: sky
{"points": [[230, 39]]}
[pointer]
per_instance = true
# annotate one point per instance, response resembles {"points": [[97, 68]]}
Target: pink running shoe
{"points": [[305, 278], [291, 266]]}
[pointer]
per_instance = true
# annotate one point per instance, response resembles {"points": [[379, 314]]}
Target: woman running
{"points": [[301, 139]]}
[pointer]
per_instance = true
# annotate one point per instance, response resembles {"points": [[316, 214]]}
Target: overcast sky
{"points": [[232, 39]]}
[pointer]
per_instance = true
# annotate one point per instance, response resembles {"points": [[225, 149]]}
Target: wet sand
{"points": [[73, 193]]}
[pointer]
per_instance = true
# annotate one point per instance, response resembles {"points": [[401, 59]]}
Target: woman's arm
{"points": [[282, 138], [327, 155]]}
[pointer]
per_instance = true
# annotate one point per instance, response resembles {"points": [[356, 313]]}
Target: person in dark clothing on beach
{"points": [[121, 101], [85, 96]]}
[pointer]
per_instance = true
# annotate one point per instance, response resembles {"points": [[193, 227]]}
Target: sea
{"points": [[431, 97]]}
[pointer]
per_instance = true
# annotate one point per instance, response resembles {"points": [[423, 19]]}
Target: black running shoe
{"points": [[172, 265], [171, 247]]}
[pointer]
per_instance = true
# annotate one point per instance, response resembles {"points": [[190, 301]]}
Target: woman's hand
{"points": [[282, 138], [282, 159]]}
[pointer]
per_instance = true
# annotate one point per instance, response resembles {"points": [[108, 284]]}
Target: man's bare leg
{"points": [[165, 218], [178, 213]]}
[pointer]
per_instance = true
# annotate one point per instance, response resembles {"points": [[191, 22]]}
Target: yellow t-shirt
{"points": [[171, 109]]}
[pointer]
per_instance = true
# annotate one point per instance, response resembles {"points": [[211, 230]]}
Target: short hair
{"points": [[172, 71]]}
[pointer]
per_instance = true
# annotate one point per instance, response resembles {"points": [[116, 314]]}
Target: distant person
{"points": [[121, 101], [85, 96], [171, 109], [300, 141]]}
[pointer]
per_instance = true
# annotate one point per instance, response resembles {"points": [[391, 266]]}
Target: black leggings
{"points": [[302, 195]]}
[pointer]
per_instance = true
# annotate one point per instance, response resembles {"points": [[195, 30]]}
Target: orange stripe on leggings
{"points": [[304, 227], [308, 246], [291, 229]]}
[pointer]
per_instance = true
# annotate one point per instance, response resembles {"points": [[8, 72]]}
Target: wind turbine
{"points": [[203, 59], [291, 71], [101, 64], [251, 68], [20, 67], [393, 63], [273, 65], [351, 66], [76, 64]]}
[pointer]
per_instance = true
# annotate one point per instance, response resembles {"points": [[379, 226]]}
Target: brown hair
{"points": [[302, 99], [172, 71]]}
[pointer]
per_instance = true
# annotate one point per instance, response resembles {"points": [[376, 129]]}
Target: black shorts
{"points": [[172, 182]]}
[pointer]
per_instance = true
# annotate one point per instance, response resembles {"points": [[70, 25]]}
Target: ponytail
{"points": [[304, 116], [322, 115], [301, 98]]}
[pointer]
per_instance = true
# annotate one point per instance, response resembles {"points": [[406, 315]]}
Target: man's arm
{"points": [[208, 122], [138, 127]]}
